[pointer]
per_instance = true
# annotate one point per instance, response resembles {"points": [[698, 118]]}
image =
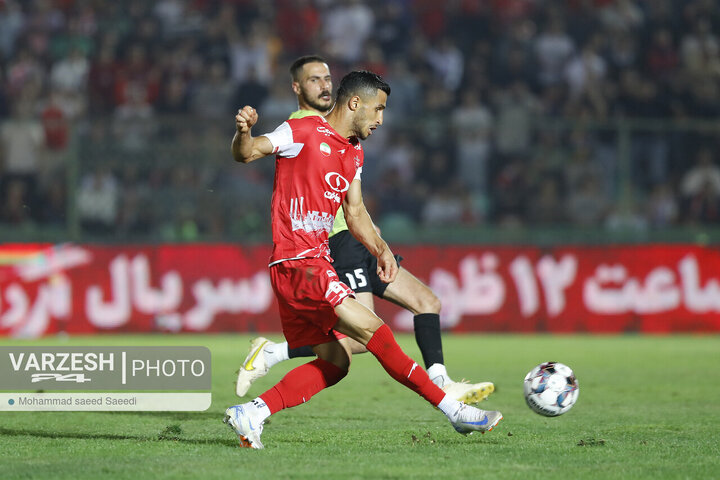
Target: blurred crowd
{"points": [[502, 112]]}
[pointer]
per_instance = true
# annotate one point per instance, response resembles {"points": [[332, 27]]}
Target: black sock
{"points": [[427, 336], [300, 352]]}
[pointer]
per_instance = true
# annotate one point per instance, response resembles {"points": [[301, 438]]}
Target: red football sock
{"points": [[301, 383], [401, 367]]}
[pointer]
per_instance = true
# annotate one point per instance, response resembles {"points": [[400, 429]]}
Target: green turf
{"points": [[649, 407]]}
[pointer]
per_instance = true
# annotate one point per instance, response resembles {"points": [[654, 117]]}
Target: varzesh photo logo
{"points": [[171, 372]]}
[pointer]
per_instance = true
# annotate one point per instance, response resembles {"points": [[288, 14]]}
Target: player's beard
{"points": [[318, 103], [360, 125]]}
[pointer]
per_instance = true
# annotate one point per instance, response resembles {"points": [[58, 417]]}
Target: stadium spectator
{"points": [[447, 62], [553, 48], [586, 204], [472, 124], [12, 22], [53, 204], [133, 120], [444, 207], [15, 209], [409, 90], [699, 49], [662, 57], [213, 93], [586, 70], [252, 56], [621, 16], [662, 206], [102, 75], [546, 207], [515, 107], [298, 25], [24, 72], [22, 142], [347, 26], [97, 201], [700, 188]]}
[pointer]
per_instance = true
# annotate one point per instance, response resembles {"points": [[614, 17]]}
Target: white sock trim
{"points": [[276, 353], [438, 374], [450, 407], [261, 409]]}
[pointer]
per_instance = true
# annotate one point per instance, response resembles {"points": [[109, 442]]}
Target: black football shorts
{"points": [[355, 265]]}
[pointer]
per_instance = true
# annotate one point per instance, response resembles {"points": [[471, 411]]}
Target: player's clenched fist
{"points": [[245, 119], [387, 267]]}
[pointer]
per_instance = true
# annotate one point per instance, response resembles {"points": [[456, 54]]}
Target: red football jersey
{"points": [[313, 170]]}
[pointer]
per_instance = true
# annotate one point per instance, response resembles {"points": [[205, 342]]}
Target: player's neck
{"points": [[340, 122]]}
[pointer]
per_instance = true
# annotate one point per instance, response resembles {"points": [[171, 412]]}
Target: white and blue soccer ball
{"points": [[551, 389]]}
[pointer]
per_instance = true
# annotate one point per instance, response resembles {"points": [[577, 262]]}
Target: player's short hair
{"points": [[362, 83], [298, 64]]}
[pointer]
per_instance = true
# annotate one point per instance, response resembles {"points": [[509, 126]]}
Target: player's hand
{"points": [[245, 119], [387, 268]]}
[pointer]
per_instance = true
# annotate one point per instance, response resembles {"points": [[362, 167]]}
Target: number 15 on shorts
{"points": [[356, 279]]}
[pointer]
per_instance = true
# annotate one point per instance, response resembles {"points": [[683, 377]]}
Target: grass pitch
{"points": [[649, 407]]}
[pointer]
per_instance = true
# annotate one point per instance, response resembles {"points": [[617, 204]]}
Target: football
{"points": [[551, 389]]}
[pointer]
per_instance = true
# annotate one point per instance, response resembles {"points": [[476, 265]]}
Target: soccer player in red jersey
{"points": [[317, 168], [356, 267]]}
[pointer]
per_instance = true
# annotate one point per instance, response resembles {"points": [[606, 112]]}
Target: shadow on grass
{"points": [[109, 436]]}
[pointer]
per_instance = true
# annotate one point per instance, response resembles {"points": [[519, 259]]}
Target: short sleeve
{"points": [[282, 141]]}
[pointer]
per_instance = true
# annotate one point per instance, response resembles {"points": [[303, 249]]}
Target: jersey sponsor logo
{"points": [[314, 221], [333, 196], [325, 149], [310, 222], [337, 182], [327, 132]]}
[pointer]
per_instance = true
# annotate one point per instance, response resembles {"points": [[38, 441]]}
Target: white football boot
{"points": [[469, 392], [247, 429], [470, 419], [253, 367]]}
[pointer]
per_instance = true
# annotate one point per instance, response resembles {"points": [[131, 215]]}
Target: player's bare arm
{"points": [[361, 227], [246, 148]]}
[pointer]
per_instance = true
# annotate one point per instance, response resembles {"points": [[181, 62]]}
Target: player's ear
{"points": [[296, 88], [354, 103]]}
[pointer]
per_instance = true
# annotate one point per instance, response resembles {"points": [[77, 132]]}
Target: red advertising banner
{"points": [[46, 289]]}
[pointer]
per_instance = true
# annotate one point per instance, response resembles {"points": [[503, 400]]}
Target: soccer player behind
{"points": [[317, 168], [356, 267]]}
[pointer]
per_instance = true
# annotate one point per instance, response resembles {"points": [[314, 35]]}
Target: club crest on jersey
{"points": [[325, 149]]}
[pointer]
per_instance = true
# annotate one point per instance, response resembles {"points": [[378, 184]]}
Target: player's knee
{"points": [[337, 358], [343, 363], [335, 353], [430, 304]]}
